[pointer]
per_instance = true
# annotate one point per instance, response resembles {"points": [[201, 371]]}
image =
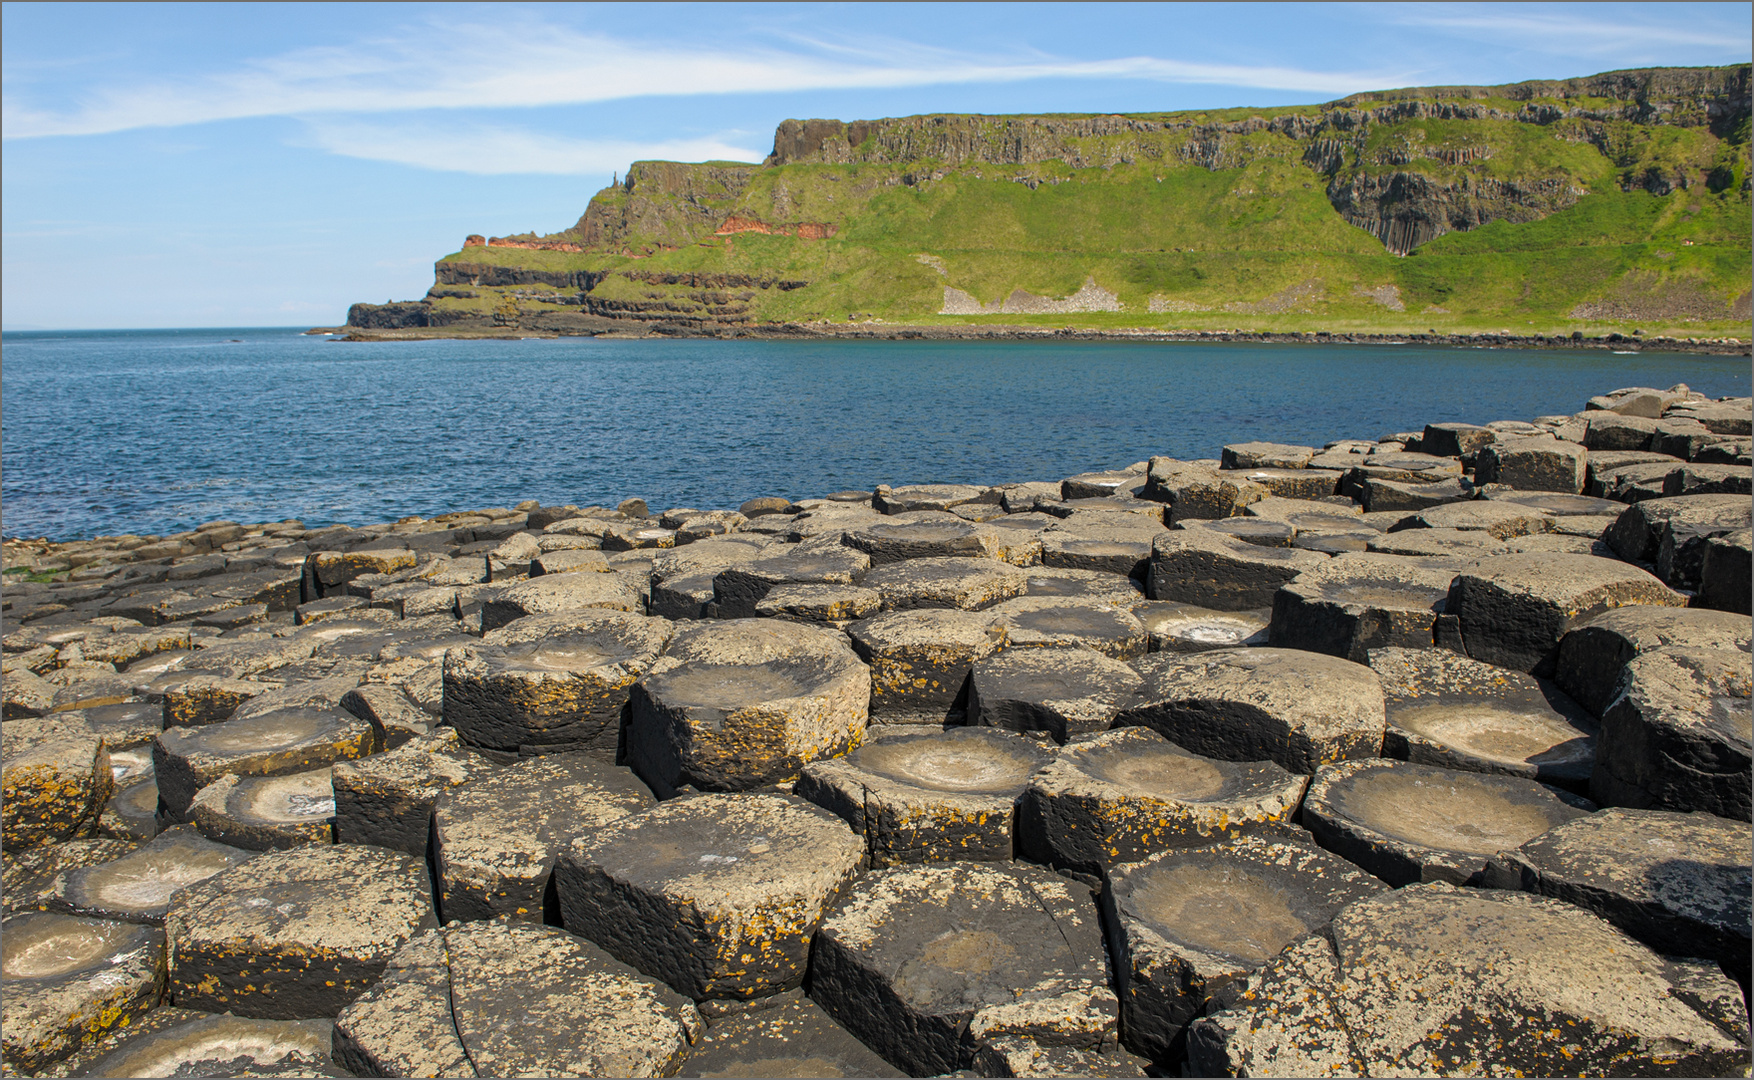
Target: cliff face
{"points": [[1182, 213]]}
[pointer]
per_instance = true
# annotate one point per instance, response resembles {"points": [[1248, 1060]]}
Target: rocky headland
{"points": [[1549, 210], [1422, 753]]}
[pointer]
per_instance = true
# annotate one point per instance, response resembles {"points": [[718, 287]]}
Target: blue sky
{"points": [[265, 165]]}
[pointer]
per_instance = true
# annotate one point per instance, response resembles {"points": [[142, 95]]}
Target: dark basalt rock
{"points": [[1593, 655], [294, 934], [1355, 603], [386, 800], [741, 704], [1123, 795], [1677, 882], [1195, 566], [1300, 709], [137, 886], [1061, 692], [793, 1038], [186, 760], [495, 837], [739, 588], [968, 584], [504, 999], [1185, 927], [182, 1042], [1447, 710], [1408, 823], [927, 964], [718, 895], [1185, 628], [1435, 980], [1038, 621], [1679, 735], [930, 796], [69, 980], [919, 660]]}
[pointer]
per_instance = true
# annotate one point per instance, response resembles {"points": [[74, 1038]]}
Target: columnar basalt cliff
{"points": [[1541, 204]]}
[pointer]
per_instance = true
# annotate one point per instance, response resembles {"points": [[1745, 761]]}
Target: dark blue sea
{"points": [[157, 431]]}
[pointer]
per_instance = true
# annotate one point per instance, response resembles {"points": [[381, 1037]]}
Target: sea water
{"points": [[157, 431]]}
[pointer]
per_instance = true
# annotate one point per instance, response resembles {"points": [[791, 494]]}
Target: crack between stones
{"points": [[451, 1002]]}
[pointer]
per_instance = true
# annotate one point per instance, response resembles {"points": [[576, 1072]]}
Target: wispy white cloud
{"points": [[437, 65], [1571, 34], [496, 151]]}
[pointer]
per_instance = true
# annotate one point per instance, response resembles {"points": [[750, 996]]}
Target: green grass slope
{"points": [[1615, 207]]}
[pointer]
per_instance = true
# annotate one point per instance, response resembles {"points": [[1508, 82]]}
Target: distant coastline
{"points": [[871, 331]]}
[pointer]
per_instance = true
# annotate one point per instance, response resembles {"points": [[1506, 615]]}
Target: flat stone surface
{"points": [[554, 594], [69, 980], [505, 999], [1111, 548], [495, 837], [1220, 572], [1354, 603], [1268, 455], [1440, 981], [739, 588], [1534, 464], [169, 1041], [830, 605], [1679, 735], [54, 780], [260, 813], [1499, 520], [137, 886], [923, 536], [1186, 926], [1060, 692], [1300, 709], [294, 934], [186, 760], [1195, 492], [1407, 823], [28, 878], [1593, 655], [552, 683], [927, 963], [1514, 609], [717, 895], [1447, 710], [933, 796], [1186, 628], [1123, 795], [793, 1038], [965, 583], [386, 800], [1098, 585], [907, 497], [1680, 883], [1047, 621], [739, 704], [920, 660]]}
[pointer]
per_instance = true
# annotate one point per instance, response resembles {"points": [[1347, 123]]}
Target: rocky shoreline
{"points": [[1428, 753], [873, 331]]}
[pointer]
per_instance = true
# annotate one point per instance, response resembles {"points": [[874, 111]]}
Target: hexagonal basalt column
{"points": [[504, 999], [1185, 628], [495, 838], [57, 778], [552, 684], [1198, 566], [921, 536], [1407, 823], [186, 760], [1053, 621], [137, 887], [1593, 656], [1186, 926], [919, 660], [1300, 709], [932, 796], [1680, 735], [968, 584], [267, 812], [1514, 609], [1447, 710], [1357, 602], [718, 895], [1436, 980], [169, 1041], [1062, 693], [928, 963], [294, 934], [1126, 794], [69, 980], [737, 589], [386, 800], [736, 705]]}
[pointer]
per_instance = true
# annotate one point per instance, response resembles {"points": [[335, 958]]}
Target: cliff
{"points": [[1547, 204]]}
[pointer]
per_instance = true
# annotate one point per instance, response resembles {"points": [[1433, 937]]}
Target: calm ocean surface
{"points": [[157, 431]]}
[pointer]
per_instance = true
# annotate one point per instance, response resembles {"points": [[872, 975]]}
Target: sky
{"points": [[177, 165]]}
